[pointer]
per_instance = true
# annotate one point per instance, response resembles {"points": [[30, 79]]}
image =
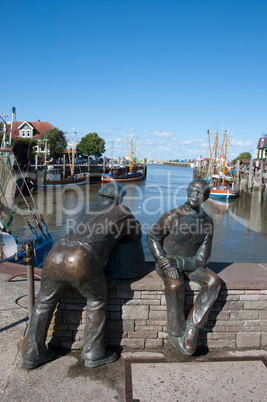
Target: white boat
{"points": [[10, 249], [122, 176], [125, 174], [221, 183], [54, 177]]}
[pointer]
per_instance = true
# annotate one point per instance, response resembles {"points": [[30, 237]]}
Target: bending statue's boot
{"points": [[94, 352], [109, 357], [47, 356], [190, 339], [35, 352]]}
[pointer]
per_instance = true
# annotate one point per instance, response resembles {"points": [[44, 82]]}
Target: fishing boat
{"points": [[222, 192], [128, 173], [220, 181], [121, 176], [54, 176], [11, 249]]}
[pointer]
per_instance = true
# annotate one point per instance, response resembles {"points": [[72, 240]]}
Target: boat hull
{"points": [[65, 182], [105, 178], [41, 247], [226, 194]]}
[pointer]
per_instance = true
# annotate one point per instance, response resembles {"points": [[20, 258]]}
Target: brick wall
{"points": [[136, 317]]}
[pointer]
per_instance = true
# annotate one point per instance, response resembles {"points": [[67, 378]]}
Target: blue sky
{"points": [[166, 70]]}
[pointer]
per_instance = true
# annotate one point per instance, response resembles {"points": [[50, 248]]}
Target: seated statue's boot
{"points": [[109, 357], [178, 343], [190, 339], [44, 358]]}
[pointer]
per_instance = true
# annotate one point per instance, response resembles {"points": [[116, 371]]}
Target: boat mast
{"points": [[73, 151], [132, 152], [45, 141], [11, 128], [216, 150], [112, 156], [127, 147], [210, 162], [222, 148], [3, 144], [225, 134], [68, 148]]}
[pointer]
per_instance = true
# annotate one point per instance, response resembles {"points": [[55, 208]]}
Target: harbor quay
{"points": [[137, 314], [245, 181], [232, 348]]}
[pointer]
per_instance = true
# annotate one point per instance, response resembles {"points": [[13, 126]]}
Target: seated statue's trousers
{"points": [[87, 276], [210, 285]]}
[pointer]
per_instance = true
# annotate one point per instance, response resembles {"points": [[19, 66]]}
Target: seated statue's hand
{"points": [[168, 267], [171, 272]]}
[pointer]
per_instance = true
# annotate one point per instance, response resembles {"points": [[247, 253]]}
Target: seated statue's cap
{"points": [[112, 190]]}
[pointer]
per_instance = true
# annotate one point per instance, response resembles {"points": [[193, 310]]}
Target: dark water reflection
{"points": [[240, 225]]}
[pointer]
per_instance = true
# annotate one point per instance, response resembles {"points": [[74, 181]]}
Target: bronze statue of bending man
{"points": [[181, 242], [79, 260]]}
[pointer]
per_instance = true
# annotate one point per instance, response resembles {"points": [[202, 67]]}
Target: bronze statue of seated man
{"points": [[181, 242], [79, 260]]}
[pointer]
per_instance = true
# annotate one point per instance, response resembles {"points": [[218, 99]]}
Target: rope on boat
{"points": [[43, 226]]}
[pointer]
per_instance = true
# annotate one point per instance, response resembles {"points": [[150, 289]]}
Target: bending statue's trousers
{"points": [[90, 281], [210, 285]]}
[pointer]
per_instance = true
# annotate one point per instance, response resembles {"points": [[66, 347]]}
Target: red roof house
{"points": [[262, 148], [30, 129]]}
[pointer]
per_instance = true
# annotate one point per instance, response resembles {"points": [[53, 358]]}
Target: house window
{"points": [[28, 133], [262, 142], [23, 133]]}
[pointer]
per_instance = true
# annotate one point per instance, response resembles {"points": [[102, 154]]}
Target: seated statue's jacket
{"points": [[183, 233]]}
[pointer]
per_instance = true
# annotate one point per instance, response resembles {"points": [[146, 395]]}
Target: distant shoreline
{"points": [[177, 164]]}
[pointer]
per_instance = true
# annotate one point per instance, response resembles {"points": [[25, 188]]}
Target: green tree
{"points": [[57, 142], [91, 144], [31, 142], [242, 156]]}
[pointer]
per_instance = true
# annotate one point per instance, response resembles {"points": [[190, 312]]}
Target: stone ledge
{"points": [[136, 317], [235, 276]]}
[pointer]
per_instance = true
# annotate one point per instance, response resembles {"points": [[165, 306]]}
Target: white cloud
{"points": [[166, 149], [239, 143], [116, 128], [193, 141], [163, 134]]}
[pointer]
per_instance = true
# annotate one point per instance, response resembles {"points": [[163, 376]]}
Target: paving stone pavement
{"points": [[221, 376]]}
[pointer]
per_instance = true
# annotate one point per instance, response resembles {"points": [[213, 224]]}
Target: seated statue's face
{"points": [[195, 195]]}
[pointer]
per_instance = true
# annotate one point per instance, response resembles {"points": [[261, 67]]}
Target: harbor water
{"points": [[240, 232]]}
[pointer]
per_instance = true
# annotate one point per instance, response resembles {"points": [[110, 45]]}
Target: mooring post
{"points": [[30, 276], [237, 179], [261, 171], [64, 166], [36, 162], [250, 175]]}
